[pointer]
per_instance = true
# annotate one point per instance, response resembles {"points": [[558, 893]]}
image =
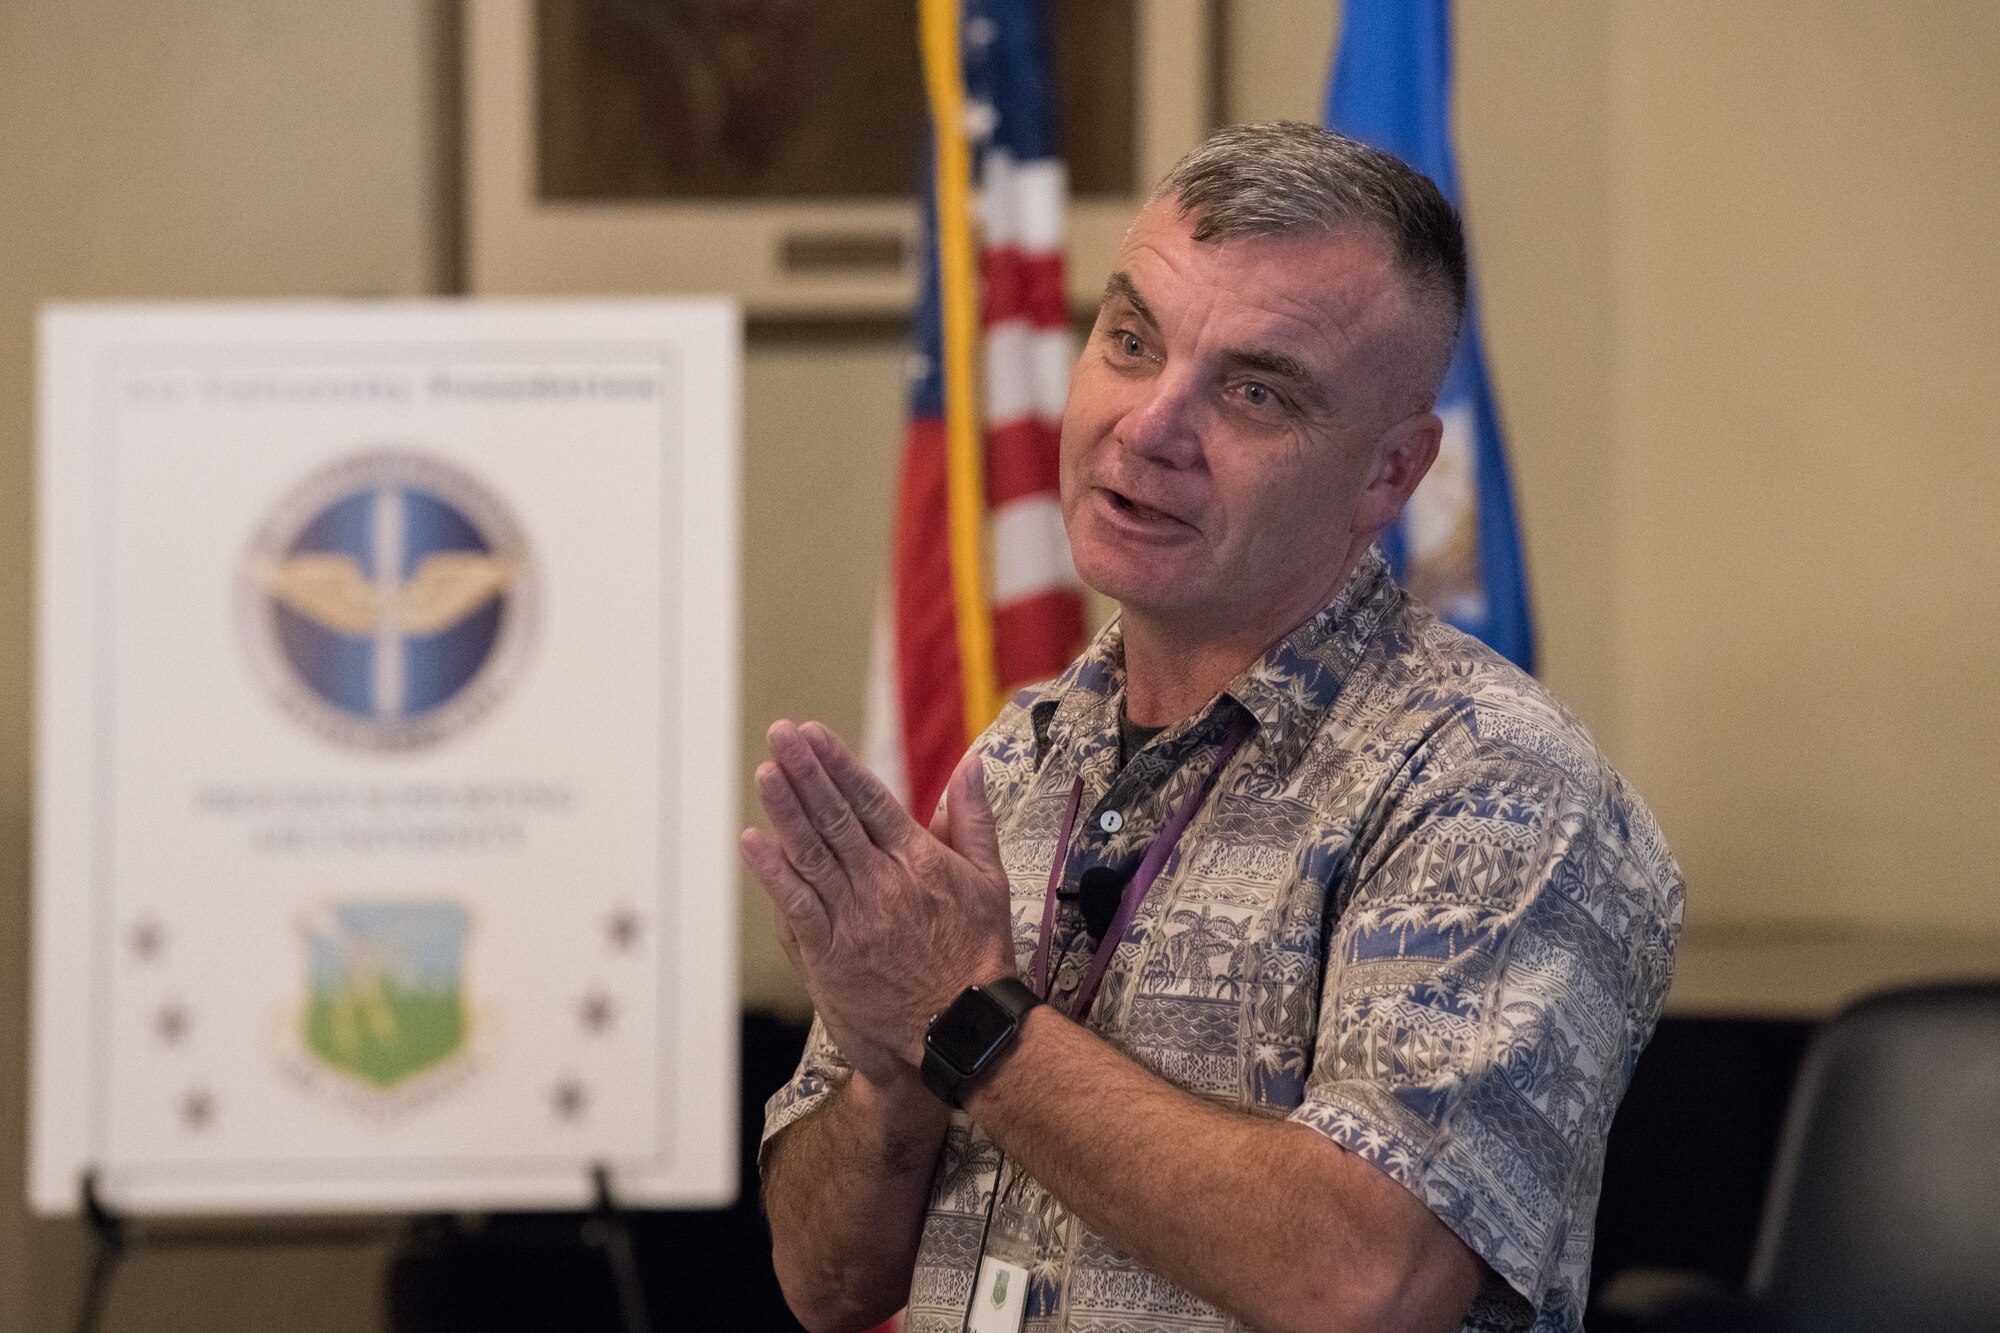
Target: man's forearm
{"points": [[846, 1189], [1263, 1218]]}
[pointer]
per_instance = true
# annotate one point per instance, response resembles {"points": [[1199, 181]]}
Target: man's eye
{"points": [[1129, 343], [1258, 395]]}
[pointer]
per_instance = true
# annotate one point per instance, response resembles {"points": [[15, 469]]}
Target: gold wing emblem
{"points": [[328, 590], [331, 590], [448, 587]]}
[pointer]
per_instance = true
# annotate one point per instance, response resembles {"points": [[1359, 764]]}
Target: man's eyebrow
{"points": [[1120, 288], [1280, 366]]}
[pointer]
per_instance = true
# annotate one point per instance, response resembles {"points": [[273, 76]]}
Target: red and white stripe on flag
{"points": [[917, 715], [1037, 600]]}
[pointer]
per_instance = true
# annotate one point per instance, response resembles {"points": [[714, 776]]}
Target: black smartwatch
{"points": [[966, 1041]]}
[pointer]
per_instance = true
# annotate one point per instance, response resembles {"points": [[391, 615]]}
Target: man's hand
{"points": [[886, 921]]}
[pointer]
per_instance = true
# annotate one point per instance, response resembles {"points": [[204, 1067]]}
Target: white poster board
{"points": [[385, 790]]}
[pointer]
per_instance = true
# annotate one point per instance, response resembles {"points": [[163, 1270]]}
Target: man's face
{"points": [[1242, 422]]}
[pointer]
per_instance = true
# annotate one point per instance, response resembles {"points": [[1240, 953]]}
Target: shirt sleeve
{"points": [[821, 1073], [1502, 955]]}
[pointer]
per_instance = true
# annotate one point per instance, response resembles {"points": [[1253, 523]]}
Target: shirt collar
{"points": [[1287, 690]]}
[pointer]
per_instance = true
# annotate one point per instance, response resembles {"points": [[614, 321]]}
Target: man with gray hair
{"points": [[1281, 963]]}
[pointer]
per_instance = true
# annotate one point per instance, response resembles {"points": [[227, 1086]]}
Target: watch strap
{"points": [[1013, 995]]}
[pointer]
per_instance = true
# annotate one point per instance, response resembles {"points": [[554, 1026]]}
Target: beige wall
{"points": [[1741, 305], [1538, 162], [1809, 307]]}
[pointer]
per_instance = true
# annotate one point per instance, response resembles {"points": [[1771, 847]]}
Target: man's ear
{"points": [[1403, 455]]}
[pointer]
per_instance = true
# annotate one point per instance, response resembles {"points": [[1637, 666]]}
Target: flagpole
{"points": [[944, 83]]}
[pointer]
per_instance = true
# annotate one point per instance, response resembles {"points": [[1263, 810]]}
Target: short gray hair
{"points": [[1284, 176]]}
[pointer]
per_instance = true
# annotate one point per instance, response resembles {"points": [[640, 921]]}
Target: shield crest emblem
{"points": [[385, 996]]}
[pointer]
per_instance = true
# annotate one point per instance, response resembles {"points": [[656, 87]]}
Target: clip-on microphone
{"points": [[1097, 894]]}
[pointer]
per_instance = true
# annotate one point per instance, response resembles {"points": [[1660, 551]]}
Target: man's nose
{"points": [[1164, 426]]}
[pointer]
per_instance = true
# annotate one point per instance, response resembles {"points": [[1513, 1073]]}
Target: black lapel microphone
{"points": [[1098, 894]]}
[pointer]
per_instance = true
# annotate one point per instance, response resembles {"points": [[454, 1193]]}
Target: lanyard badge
{"points": [[1000, 1296]]}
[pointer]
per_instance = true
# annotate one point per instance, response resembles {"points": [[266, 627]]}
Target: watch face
{"points": [[970, 1031]]}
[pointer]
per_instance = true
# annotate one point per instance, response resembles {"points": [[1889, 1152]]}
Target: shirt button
{"points": [[1111, 821]]}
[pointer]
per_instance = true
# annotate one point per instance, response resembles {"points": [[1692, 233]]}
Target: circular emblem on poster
{"points": [[388, 600]]}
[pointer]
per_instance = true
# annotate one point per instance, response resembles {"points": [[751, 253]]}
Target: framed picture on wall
{"points": [[770, 149]]}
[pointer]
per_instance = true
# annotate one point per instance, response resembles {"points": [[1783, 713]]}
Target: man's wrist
{"points": [[903, 1088], [907, 1118]]}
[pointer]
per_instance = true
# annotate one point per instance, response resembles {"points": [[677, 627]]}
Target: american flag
{"points": [[932, 687]]}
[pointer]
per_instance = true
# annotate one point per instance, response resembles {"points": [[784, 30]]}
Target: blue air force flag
{"points": [[1457, 546]]}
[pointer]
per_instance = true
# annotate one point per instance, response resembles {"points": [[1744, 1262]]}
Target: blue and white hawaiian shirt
{"points": [[1419, 914]]}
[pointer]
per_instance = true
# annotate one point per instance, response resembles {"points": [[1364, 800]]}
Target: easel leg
{"points": [[610, 1229], [107, 1247]]}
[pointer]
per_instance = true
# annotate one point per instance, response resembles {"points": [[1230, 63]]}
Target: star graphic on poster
{"points": [[148, 939], [599, 1013], [623, 928], [170, 1022], [198, 1109], [569, 1098]]}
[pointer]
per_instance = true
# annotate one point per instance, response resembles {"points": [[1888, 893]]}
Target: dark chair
{"points": [[1884, 1209]]}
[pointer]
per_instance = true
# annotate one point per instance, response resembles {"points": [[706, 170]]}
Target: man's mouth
{"points": [[1125, 504]]}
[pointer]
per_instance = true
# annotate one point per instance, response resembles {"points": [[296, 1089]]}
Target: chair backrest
{"points": [[1884, 1213]]}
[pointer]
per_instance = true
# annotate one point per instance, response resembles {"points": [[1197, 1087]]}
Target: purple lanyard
{"points": [[1157, 851]]}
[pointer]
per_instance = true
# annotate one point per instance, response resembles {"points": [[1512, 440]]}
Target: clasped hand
{"points": [[885, 920]]}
